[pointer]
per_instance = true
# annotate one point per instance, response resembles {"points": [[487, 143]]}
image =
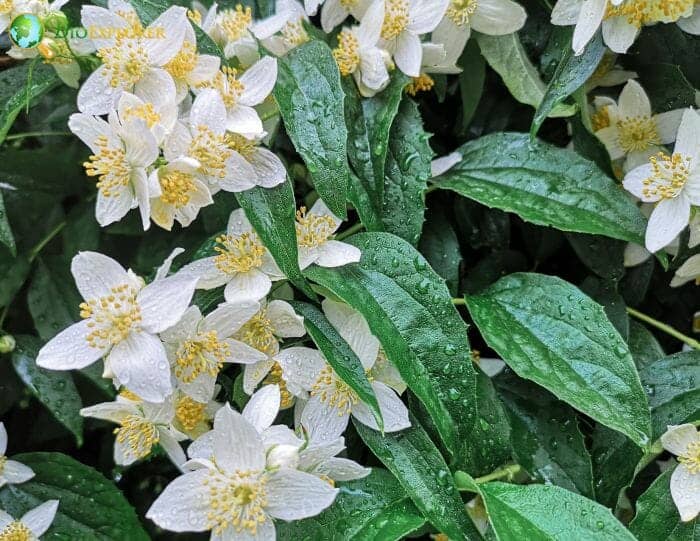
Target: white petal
{"points": [[691, 24], [498, 17], [322, 422], [635, 254], [688, 138], [633, 101], [184, 504], [264, 531], [393, 410], [110, 411], [5, 518], [97, 96], [300, 367], [208, 274], [183, 329], [589, 19], [240, 175], [164, 301], [425, 15], [373, 73], [205, 69], [3, 439], [685, 491], [209, 110], [334, 253], [258, 81], [16, 472], [229, 317], [88, 128], [255, 373], [156, 86], [667, 125], [342, 469], [332, 14], [566, 12], [268, 167], [619, 34], [668, 219], [243, 353], [610, 137], [141, 365], [237, 445], [112, 209], [96, 274], [238, 223], [354, 330], [285, 320], [140, 183], [247, 286], [440, 165], [370, 27], [174, 23], [244, 120], [634, 182], [39, 519], [677, 438], [69, 349], [263, 406], [94, 19], [293, 495], [408, 54], [171, 447]]}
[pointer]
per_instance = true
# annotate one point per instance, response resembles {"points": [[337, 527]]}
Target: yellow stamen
{"points": [[601, 118], [125, 63], [259, 333], [275, 378], [194, 16], [395, 18], [184, 61], [312, 229], [110, 166], [235, 22], [637, 133], [691, 458], [204, 354], [668, 177], [190, 413], [460, 11], [112, 317], [238, 254], [422, 83], [244, 146], [645, 12], [138, 434], [347, 53], [334, 392], [294, 34], [176, 188], [129, 395], [237, 501], [226, 82], [16, 531], [6, 6], [145, 112], [210, 150], [3, 461]]}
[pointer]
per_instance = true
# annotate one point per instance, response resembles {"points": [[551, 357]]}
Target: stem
{"points": [[506, 471], [459, 301], [665, 328], [37, 134], [3, 314], [43, 242], [349, 231]]}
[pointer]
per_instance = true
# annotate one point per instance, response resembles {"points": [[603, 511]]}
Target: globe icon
{"points": [[26, 31]]}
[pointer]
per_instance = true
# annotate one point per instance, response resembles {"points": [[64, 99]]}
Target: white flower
{"points": [[332, 401], [243, 264], [274, 321], [688, 271], [335, 12], [283, 31], [141, 426], [236, 495], [490, 366], [357, 53], [444, 163], [230, 29], [132, 56], [404, 22], [194, 418], [314, 232], [587, 15], [158, 111], [121, 319], [684, 442], [492, 17], [608, 73], [633, 132], [11, 471], [198, 347], [672, 182], [241, 94], [203, 139], [31, 526], [121, 154]]}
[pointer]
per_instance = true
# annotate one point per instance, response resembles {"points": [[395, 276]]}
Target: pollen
{"points": [[3, 461], [134, 29], [347, 53], [275, 378], [227, 83], [691, 458], [138, 434], [644, 12], [637, 133], [235, 22], [111, 318], [668, 177], [259, 333], [294, 33], [237, 501], [184, 61], [176, 188], [205, 354], [194, 16], [125, 63], [110, 167], [334, 392], [57, 52], [313, 230], [16, 531], [422, 83], [145, 112], [210, 150], [460, 11], [6, 6], [240, 253], [395, 18], [190, 413], [600, 119], [130, 395], [348, 4], [244, 146]]}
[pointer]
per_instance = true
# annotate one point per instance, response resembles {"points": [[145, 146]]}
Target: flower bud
{"points": [[56, 21], [7, 343]]}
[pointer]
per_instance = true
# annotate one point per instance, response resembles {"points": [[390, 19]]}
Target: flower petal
{"points": [[667, 125], [688, 137], [334, 253], [263, 406], [184, 504], [300, 367], [287, 323], [164, 301], [258, 81], [322, 422], [498, 17], [408, 54], [96, 274], [268, 167], [208, 109], [174, 25], [39, 519], [208, 274], [393, 410], [589, 19], [677, 438], [619, 34], [16, 472], [293, 495], [255, 373], [667, 220], [97, 96], [634, 182], [237, 445], [633, 101], [685, 491], [141, 365], [229, 317], [69, 349], [247, 286]]}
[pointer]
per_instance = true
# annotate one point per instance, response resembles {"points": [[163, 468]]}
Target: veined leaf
{"points": [[310, 99], [545, 185], [657, 518], [549, 332], [440, 246]]}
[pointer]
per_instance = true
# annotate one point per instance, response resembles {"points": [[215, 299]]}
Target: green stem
{"points": [[505, 472], [459, 301], [43, 242], [37, 134], [664, 328], [349, 231], [3, 314]]}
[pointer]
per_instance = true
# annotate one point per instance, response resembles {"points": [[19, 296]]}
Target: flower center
{"points": [[138, 434], [238, 254], [194, 16], [235, 22], [57, 52], [145, 112], [637, 133], [643, 12], [205, 354], [210, 150], [112, 317], [189, 412], [313, 230], [600, 119], [110, 167], [259, 333], [691, 458], [176, 188], [125, 62], [3, 461], [347, 54], [16, 531], [334, 392], [6, 6], [669, 175], [238, 500], [459, 11], [183, 62], [130, 395], [422, 83], [294, 33], [244, 146], [395, 18], [348, 4], [275, 378], [227, 84]]}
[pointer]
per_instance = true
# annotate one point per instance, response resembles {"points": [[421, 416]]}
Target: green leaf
{"points": [[272, 212], [19, 86], [571, 74], [6, 236], [310, 99], [471, 81], [54, 389], [339, 355], [667, 87], [615, 459], [50, 306], [604, 293], [13, 273], [375, 508], [542, 513], [410, 311], [91, 508], [657, 518], [602, 255], [417, 464], [440, 246], [644, 346], [505, 54], [549, 332], [369, 121], [545, 185], [406, 174], [545, 436]]}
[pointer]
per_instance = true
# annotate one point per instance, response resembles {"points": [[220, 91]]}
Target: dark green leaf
{"points": [[310, 99], [615, 459], [603, 256], [471, 81], [6, 236], [13, 273], [549, 332], [545, 185], [604, 293], [667, 87], [440, 246], [644, 347], [50, 309]]}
